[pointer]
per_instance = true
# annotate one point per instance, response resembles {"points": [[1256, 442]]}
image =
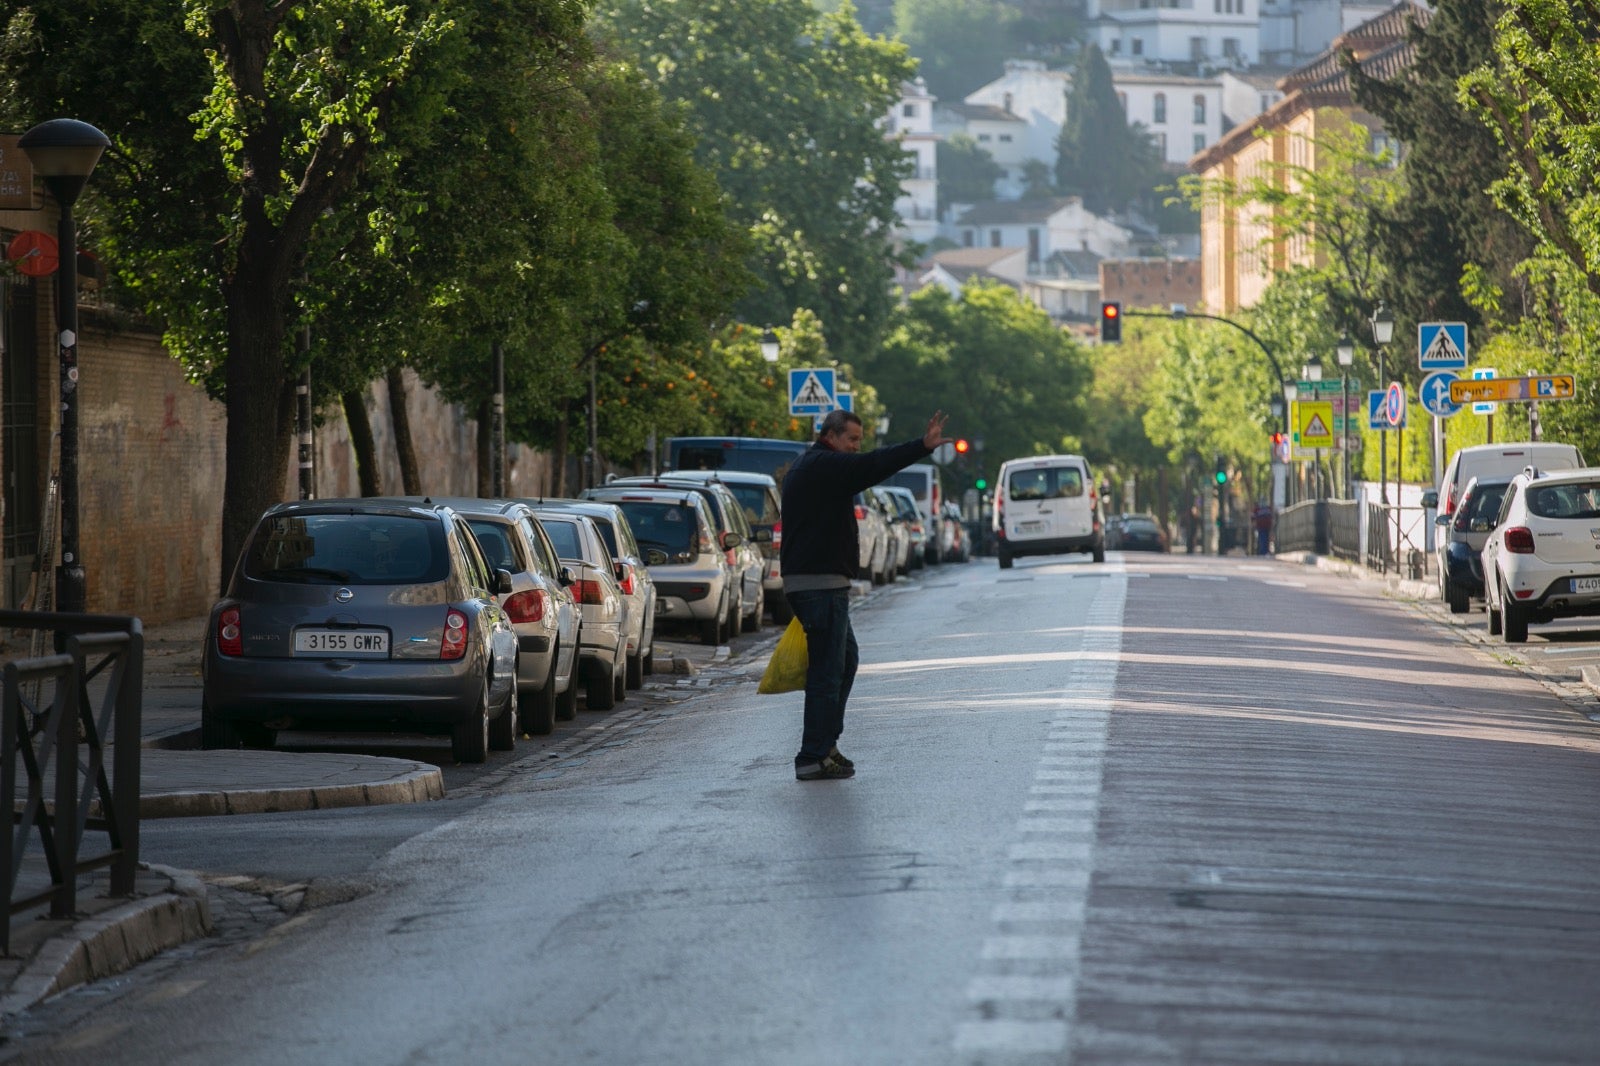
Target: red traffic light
{"points": [[962, 447], [1110, 310]]}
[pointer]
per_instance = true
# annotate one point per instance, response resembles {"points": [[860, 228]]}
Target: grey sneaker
{"points": [[826, 769], [838, 756]]}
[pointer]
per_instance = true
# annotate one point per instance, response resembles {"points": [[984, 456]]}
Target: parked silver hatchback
{"points": [[540, 606], [695, 585], [633, 578], [602, 650], [361, 614]]}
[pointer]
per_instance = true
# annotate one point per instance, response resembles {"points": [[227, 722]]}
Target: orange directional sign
{"points": [[1492, 390]]}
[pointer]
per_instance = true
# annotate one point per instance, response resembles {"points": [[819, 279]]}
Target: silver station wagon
{"points": [[362, 615]]}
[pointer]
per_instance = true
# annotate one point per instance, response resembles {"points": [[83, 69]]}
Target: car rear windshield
{"points": [[757, 503], [1481, 509], [349, 549], [1571, 499], [669, 527], [1140, 525], [495, 539], [564, 535]]}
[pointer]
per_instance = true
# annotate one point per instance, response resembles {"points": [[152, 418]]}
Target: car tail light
{"points": [[455, 636], [625, 578], [777, 535], [861, 512], [230, 637], [588, 591], [1450, 500], [528, 606], [1519, 539]]}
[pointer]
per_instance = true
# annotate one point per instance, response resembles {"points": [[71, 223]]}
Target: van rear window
{"points": [[1045, 483]]}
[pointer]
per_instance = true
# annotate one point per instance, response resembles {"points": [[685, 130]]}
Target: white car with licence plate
{"points": [[1542, 558]]}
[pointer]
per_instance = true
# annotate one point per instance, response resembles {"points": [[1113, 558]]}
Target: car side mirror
{"points": [[1430, 499], [655, 557], [762, 536], [731, 540], [1442, 520], [567, 577], [502, 582]]}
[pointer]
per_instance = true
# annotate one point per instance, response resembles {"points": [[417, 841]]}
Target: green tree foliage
{"points": [[993, 361], [786, 104], [1100, 157], [1444, 225], [967, 173], [960, 45]]}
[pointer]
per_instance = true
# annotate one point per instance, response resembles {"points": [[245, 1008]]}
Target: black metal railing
{"points": [[95, 684]]}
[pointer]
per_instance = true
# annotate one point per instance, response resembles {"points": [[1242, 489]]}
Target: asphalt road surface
{"points": [[1168, 809]]}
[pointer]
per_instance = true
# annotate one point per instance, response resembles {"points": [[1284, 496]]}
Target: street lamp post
{"points": [[1290, 392], [1346, 352], [1313, 374], [64, 152], [1382, 334]]}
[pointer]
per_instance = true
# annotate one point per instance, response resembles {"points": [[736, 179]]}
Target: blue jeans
{"points": [[831, 667]]}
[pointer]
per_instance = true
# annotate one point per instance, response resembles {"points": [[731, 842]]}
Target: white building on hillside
{"points": [[1035, 95], [912, 122], [1183, 115], [997, 131], [1042, 227], [1209, 34]]}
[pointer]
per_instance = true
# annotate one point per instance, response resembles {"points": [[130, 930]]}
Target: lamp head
{"points": [[1346, 349], [1290, 391], [64, 152], [1382, 324], [1313, 368], [769, 346]]}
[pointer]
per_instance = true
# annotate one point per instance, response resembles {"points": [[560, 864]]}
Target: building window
{"points": [[1033, 245], [1138, 46], [968, 238], [1005, 138], [1197, 46], [1230, 47], [1160, 108], [1266, 102], [1199, 109], [1116, 46], [1199, 142], [994, 238], [1161, 144], [1122, 98], [909, 110], [983, 138]]}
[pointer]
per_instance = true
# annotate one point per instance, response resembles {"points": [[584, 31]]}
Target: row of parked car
{"points": [[1519, 529], [486, 619]]}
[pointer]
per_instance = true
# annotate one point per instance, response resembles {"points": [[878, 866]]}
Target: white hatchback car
{"points": [[1542, 559]]}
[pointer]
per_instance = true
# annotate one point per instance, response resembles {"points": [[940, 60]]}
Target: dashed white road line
{"points": [[1022, 1002]]}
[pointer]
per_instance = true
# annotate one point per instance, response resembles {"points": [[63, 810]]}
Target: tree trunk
{"points": [[558, 452], [361, 442], [485, 446], [410, 475], [260, 405]]}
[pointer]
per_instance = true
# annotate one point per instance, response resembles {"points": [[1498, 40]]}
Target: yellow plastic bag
{"points": [[786, 672]]}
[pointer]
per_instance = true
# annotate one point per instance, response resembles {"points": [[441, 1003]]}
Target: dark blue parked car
{"points": [[1461, 538]]}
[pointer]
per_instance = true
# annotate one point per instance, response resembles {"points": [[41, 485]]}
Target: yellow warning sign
{"points": [[1313, 423]]}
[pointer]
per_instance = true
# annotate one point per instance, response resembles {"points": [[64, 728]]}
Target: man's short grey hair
{"points": [[835, 421]]}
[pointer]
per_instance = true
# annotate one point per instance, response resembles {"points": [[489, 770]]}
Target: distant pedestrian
{"points": [[1261, 518], [820, 555]]}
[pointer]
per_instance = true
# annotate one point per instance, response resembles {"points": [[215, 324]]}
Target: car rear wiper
{"points": [[308, 574]]}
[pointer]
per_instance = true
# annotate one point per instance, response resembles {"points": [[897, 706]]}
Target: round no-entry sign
{"points": [[1394, 404]]}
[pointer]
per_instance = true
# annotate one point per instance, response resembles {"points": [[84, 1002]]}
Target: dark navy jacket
{"points": [[819, 514]]}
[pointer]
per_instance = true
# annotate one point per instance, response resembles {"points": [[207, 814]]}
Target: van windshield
{"points": [[914, 480], [772, 460]]}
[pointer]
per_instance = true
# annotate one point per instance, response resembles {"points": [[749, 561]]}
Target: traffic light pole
{"points": [[1272, 360]]}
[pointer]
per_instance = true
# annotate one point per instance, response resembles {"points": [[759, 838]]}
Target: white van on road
{"points": [[1499, 460], [1046, 505]]}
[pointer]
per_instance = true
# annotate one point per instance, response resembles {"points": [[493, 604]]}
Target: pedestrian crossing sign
{"points": [[812, 391], [1442, 345]]}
